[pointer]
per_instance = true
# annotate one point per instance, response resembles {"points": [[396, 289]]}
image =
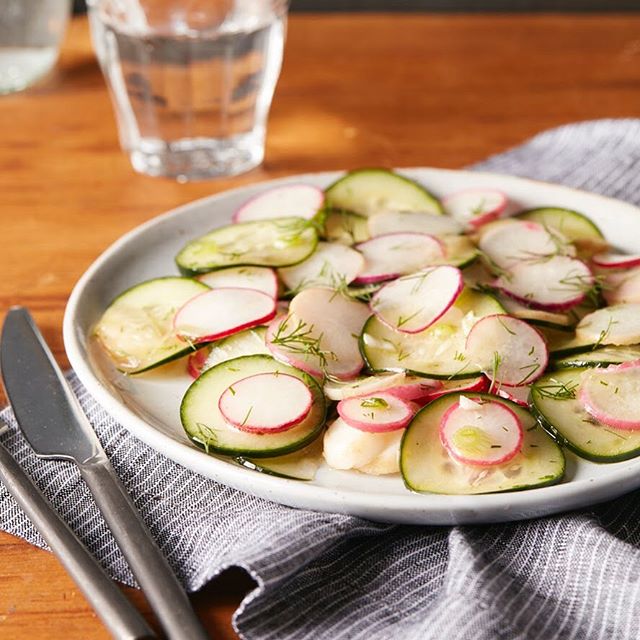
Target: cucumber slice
{"points": [[439, 351], [251, 342], [136, 330], [602, 357], [278, 242], [427, 467], [206, 427], [557, 408], [459, 251], [299, 465], [345, 227], [574, 226], [370, 191], [562, 343]]}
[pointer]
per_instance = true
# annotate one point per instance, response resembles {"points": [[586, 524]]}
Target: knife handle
{"points": [[120, 617], [151, 569]]}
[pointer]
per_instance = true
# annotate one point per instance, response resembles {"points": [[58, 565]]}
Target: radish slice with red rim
{"points": [[259, 278], [434, 224], [611, 260], [481, 433], [266, 403], [554, 283], [511, 242], [291, 340], [330, 265], [335, 390], [508, 350], [475, 207], [416, 389], [376, 413], [413, 303], [395, 254], [618, 324], [620, 287], [519, 395], [197, 361], [293, 200], [478, 385], [611, 395], [220, 312]]}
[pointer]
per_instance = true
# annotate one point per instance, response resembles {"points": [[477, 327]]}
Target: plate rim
{"points": [[410, 508]]}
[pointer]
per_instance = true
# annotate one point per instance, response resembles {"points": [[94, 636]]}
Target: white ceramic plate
{"points": [[147, 405]]}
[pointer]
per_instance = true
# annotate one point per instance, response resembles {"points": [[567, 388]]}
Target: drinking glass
{"points": [[191, 81], [30, 35]]}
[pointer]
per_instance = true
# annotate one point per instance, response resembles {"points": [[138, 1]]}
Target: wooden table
{"points": [[394, 90]]}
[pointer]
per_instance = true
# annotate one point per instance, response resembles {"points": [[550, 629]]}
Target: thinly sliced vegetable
{"points": [[439, 351], [374, 453], [207, 428], [250, 342], [622, 286], [299, 465], [330, 265], [371, 191], [414, 302], [556, 405], [518, 241], [434, 224], [553, 319], [613, 260], [249, 405], [507, 349], [519, 395], [335, 390], [218, 313], [426, 466], [280, 242], [416, 389], [573, 226], [611, 395], [376, 413], [320, 334], [617, 325], [478, 385], [459, 251], [396, 254], [345, 227], [481, 432], [260, 278], [475, 207], [136, 330], [288, 201], [197, 361], [553, 283], [602, 357]]}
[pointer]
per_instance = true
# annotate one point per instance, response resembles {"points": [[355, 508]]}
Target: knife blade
{"points": [[54, 424]]}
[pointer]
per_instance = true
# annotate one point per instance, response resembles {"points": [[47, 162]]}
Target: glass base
{"points": [[198, 158]]}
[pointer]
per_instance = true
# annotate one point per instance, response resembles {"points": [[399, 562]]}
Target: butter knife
{"points": [[55, 426]]}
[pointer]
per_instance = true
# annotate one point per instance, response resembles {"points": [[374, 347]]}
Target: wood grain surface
{"points": [[392, 90]]}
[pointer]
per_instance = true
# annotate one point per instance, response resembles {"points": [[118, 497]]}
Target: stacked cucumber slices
{"points": [[457, 341]]}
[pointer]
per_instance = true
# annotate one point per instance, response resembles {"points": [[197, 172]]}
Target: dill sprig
{"points": [[557, 390]]}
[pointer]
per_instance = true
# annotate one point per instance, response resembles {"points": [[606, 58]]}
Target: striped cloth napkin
{"points": [[572, 576]]}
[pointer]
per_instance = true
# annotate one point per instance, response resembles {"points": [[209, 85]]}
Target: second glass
{"points": [[191, 82]]}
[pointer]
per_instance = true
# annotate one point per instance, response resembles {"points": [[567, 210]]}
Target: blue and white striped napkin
{"points": [[571, 577]]}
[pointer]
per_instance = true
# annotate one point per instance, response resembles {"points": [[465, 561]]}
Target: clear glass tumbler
{"points": [[191, 81], [30, 35]]}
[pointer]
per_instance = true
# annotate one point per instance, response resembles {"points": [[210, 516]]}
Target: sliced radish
{"points": [[522, 311], [259, 278], [396, 254], [415, 389], [252, 405], [622, 287], [519, 395], [554, 283], [481, 433], [507, 245], [349, 448], [412, 303], [220, 312], [434, 224], [320, 335], [508, 350], [197, 362], [293, 200], [376, 413], [618, 324], [611, 395], [612, 260], [362, 386], [479, 385], [330, 265], [475, 207]]}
